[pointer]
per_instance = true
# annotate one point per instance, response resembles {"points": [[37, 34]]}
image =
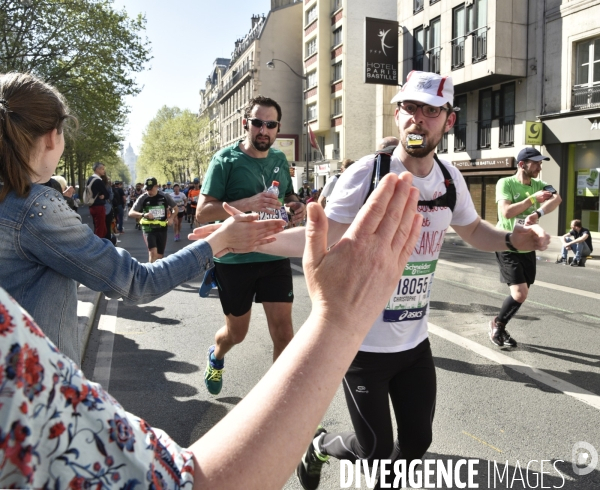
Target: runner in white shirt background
{"points": [[395, 360]]}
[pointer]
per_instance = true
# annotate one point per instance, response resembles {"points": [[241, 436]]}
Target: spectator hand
{"points": [[530, 237], [241, 233], [69, 191], [368, 260]]}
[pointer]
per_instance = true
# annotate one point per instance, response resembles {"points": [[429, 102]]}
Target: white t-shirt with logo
{"points": [[403, 323]]}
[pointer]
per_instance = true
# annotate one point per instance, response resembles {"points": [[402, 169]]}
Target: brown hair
{"points": [[263, 101], [346, 162], [29, 108], [576, 222]]}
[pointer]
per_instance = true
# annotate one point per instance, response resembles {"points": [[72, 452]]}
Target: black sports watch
{"points": [[537, 211]]}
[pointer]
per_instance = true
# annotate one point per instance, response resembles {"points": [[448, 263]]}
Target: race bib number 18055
{"points": [[409, 300]]}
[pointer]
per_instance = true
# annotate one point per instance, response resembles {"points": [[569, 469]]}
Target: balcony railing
{"points": [[484, 133], [418, 62], [443, 144], [587, 97], [335, 154], [435, 60], [239, 74], [460, 137], [479, 44], [507, 131], [458, 52]]}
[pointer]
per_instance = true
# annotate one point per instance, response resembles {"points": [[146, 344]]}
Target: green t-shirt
{"points": [[233, 175], [510, 189]]}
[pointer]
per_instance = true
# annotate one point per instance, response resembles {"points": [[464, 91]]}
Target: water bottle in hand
{"points": [[274, 189]]}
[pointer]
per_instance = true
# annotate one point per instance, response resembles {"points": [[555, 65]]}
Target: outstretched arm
{"points": [[483, 236], [303, 380]]}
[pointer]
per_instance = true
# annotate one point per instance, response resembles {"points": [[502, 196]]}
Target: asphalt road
{"points": [[507, 409]]}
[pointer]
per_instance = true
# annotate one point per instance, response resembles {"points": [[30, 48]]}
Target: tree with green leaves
{"points": [[171, 149], [90, 52]]}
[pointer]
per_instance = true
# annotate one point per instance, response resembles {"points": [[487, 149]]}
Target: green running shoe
{"points": [[213, 376], [309, 469]]}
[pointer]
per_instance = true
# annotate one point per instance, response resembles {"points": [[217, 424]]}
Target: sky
{"points": [[186, 36]]}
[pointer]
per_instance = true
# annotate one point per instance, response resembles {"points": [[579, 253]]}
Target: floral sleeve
{"points": [[59, 430]]}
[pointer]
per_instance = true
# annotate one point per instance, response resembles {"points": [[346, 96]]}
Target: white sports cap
{"points": [[426, 87]]}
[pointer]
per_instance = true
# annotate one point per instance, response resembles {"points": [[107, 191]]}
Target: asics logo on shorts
{"points": [[410, 315]]}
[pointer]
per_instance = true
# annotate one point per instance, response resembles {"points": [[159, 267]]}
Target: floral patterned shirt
{"points": [[59, 430]]}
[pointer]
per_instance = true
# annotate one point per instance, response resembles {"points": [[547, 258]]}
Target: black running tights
{"points": [[408, 378]]}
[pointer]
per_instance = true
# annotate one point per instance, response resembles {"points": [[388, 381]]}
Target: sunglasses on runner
{"points": [[258, 123], [410, 108]]}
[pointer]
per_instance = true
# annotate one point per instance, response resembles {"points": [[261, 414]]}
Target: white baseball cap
{"points": [[429, 88]]}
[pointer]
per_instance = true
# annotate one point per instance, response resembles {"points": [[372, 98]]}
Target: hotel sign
{"points": [[485, 163], [381, 51]]}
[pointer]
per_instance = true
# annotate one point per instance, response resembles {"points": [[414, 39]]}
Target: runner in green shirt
{"points": [[522, 199], [240, 175]]}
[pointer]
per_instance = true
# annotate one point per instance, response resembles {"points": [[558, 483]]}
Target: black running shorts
{"points": [[517, 268], [156, 239], [263, 282]]}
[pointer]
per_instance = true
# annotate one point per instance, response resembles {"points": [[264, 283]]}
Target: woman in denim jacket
{"points": [[45, 249]]}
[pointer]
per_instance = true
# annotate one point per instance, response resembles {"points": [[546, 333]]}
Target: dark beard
{"points": [[261, 146]]}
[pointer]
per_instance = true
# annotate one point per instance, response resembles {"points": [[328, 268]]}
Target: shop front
{"points": [[482, 175], [574, 142]]}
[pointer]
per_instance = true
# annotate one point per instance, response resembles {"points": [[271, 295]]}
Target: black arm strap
{"points": [[381, 167]]}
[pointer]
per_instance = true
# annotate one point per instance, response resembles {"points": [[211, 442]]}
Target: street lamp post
{"points": [[271, 66]]}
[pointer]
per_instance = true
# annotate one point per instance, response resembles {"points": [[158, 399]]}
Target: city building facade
{"points": [[570, 97], [340, 107], [276, 36], [130, 159]]}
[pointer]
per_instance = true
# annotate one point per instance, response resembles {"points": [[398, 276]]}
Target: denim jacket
{"points": [[45, 250]]}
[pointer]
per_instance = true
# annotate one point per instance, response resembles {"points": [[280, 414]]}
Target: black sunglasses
{"points": [[258, 123]]}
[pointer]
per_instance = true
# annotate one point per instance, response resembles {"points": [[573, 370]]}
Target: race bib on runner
{"points": [[520, 221], [280, 213], [410, 299], [157, 211]]}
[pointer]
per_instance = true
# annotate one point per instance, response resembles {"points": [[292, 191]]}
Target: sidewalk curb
{"points": [[548, 255], [87, 305]]}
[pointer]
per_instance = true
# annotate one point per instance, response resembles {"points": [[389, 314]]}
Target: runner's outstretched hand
{"points": [[241, 233], [364, 266], [532, 237]]}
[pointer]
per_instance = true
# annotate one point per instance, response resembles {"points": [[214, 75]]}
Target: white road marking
{"points": [[566, 289], [455, 264], [297, 268], [558, 384], [542, 284], [106, 325], [534, 373]]}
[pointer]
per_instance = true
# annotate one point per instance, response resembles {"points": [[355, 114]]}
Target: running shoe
{"points": [[575, 263], [562, 261], [496, 333], [309, 469], [508, 340], [209, 282], [213, 376]]}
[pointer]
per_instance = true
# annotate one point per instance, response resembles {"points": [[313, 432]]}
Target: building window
{"points": [[337, 36], [484, 125], [336, 5], [311, 47], [459, 34], [337, 106], [442, 146], [460, 126], [337, 71], [434, 47], [312, 111], [311, 14], [586, 92], [418, 48], [311, 79], [507, 115], [477, 26], [418, 5], [431, 2]]}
